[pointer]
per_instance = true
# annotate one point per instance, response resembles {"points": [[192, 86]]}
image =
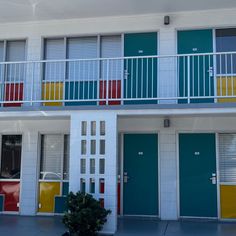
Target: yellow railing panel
{"points": [[226, 86], [52, 91]]}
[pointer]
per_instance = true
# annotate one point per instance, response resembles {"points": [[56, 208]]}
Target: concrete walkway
{"points": [[52, 226], [135, 227]]}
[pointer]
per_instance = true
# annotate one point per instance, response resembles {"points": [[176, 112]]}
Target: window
{"points": [[54, 157], [11, 157], [111, 48], [13, 51], [54, 50], [227, 155], [82, 48], [226, 42]]}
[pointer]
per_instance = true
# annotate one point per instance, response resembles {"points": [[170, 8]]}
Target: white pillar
{"points": [[29, 174], [32, 82], [168, 175], [110, 158], [167, 66]]}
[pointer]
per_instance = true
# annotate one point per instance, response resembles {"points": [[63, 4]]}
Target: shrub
{"points": [[85, 216]]}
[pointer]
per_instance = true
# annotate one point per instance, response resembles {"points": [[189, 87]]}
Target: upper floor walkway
{"points": [[196, 78]]}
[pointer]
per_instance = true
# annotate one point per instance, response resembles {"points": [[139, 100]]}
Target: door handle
{"points": [[211, 71], [126, 177], [126, 74], [213, 178]]}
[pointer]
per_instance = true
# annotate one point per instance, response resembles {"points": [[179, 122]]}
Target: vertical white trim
{"points": [[214, 64], [218, 176], [122, 174], [177, 175]]}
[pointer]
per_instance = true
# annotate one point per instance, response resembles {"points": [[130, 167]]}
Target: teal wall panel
{"points": [[80, 90], [65, 188], [60, 204], [1, 202]]}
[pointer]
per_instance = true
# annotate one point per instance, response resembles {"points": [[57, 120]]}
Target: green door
{"points": [[196, 68], [140, 174], [140, 73], [197, 163]]}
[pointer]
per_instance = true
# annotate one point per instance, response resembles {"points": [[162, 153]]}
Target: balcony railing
{"points": [[188, 78]]}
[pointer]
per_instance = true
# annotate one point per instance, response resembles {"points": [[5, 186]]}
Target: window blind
{"points": [[15, 51], [82, 48], [111, 48], [227, 157], [51, 157], [54, 50]]}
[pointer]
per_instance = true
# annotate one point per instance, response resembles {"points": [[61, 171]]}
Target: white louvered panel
{"points": [[54, 50], [15, 51], [111, 48], [227, 157], [52, 156], [82, 48]]}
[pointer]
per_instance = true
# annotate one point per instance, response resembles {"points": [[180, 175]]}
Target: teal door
{"points": [[197, 163], [140, 79], [140, 174], [195, 69]]}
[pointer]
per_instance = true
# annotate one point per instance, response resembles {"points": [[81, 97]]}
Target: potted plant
{"points": [[85, 216]]}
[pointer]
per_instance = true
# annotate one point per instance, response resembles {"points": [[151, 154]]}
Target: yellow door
{"points": [[47, 193]]}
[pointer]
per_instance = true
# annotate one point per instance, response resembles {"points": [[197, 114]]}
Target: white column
{"points": [[29, 174], [110, 158], [167, 66], [168, 175], [32, 82]]}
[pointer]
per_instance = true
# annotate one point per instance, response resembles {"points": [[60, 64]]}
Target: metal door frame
{"points": [[21, 169]]}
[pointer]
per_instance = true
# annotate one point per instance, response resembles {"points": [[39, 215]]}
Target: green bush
{"points": [[85, 216]]}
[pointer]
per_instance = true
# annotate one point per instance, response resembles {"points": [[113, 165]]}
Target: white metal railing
{"points": [[186, 78]]}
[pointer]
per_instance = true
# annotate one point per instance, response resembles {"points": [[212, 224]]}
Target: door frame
{"points": [[61, 181], [218, 175], [21, 169], [178, 173], [121, 159]]}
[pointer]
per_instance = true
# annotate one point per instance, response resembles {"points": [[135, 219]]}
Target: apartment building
{"points": [[133, 102]]}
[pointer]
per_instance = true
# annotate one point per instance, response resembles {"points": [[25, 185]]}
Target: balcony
{"points": [[178, 79]]}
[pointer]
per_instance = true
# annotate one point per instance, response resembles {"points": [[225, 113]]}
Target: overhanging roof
{"points": [[35, 10]]}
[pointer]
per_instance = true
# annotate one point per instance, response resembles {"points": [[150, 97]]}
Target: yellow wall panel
{"points": [[47, 193], [52, 91], [228, 201], [226, 86]]}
